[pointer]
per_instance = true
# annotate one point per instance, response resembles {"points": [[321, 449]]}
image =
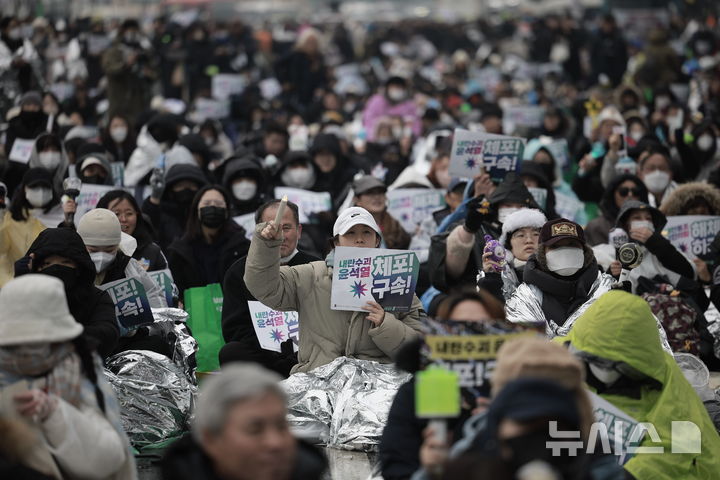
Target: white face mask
{"points": [[504, 212], [38, 196], [102, 260], [49, 160], [396, 94], [657, 181], [565, 261], [119, 134], [635, 224], [244, 190], [15, 33], [636, 134], [298, 177], [608, 376], [705, 142]]}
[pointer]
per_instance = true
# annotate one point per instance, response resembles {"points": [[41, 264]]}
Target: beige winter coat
{"points": [[325, 334]]}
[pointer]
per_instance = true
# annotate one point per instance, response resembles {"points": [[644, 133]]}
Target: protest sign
{"points": [[522, 116], [132, 308], [224, 85], [475, 152], [164, 280], [360, 275], [308, 202], [246, 221], [560, 151], [89, 197], [273, 327], [21, 150], [410, 206], [692, 234], [567, 206], [540, 196], [117, 173], [471, 356], [210, 108], [622, 432]]}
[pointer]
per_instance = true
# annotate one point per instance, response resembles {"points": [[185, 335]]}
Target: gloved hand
{"points": [[478, 210], [157, 182]]}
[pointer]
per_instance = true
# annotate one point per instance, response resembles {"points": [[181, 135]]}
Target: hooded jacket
{"points": [[338, 180], [185, 460], [60, 172], [660, 256], [245, 167], [169, 218], [104, 160], [631, 319], [677, 202], [143, 159], [466, 262], [22, 127], [597, 229], [91, 307], [15, 239], [325, 334]]}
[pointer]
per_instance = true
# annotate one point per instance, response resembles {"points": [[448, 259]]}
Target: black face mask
{"points": [[549, 171], [31, 118], [184, 196], [213, 217], [68, 275], [94, 180]]}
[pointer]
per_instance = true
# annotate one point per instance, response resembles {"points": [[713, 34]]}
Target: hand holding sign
{"points": [[376, 314]]}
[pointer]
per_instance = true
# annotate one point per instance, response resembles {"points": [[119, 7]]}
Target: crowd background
{"points": [[192, 120]]}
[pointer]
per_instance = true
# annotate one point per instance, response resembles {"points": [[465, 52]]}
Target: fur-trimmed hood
{"points": [[525, 217], [679, 200]]}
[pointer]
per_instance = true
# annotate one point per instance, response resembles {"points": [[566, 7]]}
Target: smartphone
{"points": [[621, 131]]}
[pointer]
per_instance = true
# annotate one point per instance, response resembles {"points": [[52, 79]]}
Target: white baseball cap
{"points": [[352, 216]]}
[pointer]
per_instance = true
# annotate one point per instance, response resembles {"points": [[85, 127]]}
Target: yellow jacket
{"points": [[15, 240]]}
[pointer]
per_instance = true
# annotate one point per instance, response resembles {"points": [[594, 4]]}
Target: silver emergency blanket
{"points": [[525, 306], [156, 393], [345, 403]]}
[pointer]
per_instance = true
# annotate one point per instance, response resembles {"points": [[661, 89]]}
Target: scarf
{"points": [[52, 367]]}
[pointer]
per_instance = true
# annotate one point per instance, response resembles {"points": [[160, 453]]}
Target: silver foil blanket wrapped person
{"points": [[345, 403], [156, 393]]}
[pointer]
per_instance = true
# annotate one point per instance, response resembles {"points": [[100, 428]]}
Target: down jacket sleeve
{"points": [[396, 330]]}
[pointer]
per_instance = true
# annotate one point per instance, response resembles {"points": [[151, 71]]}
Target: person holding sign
{"points": [[19, 227], [59, 386], [327, 334], [242, 342]]}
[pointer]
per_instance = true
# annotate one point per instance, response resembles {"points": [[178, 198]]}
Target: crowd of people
{"points": [[187, 126]]}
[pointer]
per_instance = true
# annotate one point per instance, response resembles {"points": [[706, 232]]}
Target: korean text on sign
{"points": [[476, 152], [132, 308], [273, 327]]}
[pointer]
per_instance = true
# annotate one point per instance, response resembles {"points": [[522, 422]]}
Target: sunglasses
{"points": [[624, 191]]}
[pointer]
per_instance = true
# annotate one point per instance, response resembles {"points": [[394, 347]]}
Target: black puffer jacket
{"points": [[245, 167], [338, 180], [185, 460], [90, 306], [169, 218]]}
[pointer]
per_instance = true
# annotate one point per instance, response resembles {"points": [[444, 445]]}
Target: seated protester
{"points": [[211, 244], [169, 203], [327, 334], [245, 180], [118, 138], [520, 237], [297, 170], [641, 379], [400, 447], [371, 194], [19, 227], [559, 280], [621, 188], [694, 198], [217, 141], [437, 177], [533, 177], [655, 170], [94, 169], [456, 258], [420, 241], [334, 171], [644, 225], [132, 222], [242, 343], [68, 402], [155, 138], [61, 253], [101, 233], [49, 153], [240, 431]]}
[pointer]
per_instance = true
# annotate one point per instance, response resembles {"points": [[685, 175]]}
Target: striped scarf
{"points": [[52, 367]]}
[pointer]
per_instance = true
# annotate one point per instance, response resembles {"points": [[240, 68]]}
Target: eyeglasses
{"points": [[624, 191]]}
